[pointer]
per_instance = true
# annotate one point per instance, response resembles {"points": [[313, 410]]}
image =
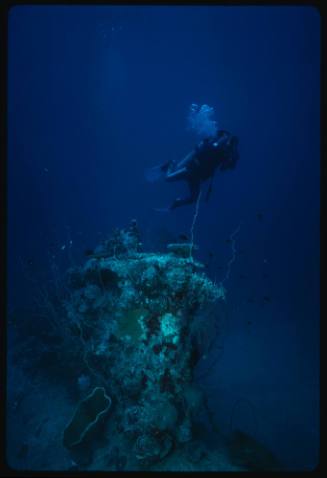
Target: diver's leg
{"points": [[176, 170], [158, 172], [194, 193], [176, 175], [194, 189], [166, 166]]}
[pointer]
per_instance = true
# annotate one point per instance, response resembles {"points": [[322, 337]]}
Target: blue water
{"points": [[98, 94]]}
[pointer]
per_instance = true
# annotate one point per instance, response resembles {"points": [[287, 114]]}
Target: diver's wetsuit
{"points": [[201, 165]]}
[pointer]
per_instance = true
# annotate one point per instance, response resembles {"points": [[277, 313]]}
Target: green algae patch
{"points": [[129, 323]]}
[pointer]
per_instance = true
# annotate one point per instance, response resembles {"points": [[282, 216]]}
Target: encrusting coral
{"points": [[134, 311]]}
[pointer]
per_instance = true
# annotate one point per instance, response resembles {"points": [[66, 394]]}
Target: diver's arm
{"points": [[185, 160]]}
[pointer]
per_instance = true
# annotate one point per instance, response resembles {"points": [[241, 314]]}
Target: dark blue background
{"points": [[97, 94]]}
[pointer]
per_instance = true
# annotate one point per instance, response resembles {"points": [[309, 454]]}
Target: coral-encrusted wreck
{"points": [[134, 313]]}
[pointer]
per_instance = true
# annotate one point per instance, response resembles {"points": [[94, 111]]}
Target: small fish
{"points": [[46, 170], [88, 252], [63, 247], [266, 298], [183, 237], [260, 216], [228, 241], [211, 254], [249, 322]]}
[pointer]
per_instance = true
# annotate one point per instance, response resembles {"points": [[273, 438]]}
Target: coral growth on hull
{"points": [[133, 312]]}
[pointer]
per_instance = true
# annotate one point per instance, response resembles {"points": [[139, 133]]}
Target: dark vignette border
{"points": [[6, 5]]}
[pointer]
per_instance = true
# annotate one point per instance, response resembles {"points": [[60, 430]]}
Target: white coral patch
{"points": [[169, 325]]}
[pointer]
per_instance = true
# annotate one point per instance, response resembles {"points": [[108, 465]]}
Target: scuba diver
{"points": [[219, 151]]}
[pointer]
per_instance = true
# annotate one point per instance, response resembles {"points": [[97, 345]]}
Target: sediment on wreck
{"points": [[134, 313]]}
